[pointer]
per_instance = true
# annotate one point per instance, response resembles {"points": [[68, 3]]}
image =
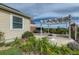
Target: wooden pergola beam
{"points": [[57, 21]]}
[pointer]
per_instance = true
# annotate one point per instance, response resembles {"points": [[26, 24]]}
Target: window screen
{"points": [[17, 22]]}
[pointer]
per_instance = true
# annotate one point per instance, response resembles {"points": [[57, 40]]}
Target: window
{"points": [[17, 23]]}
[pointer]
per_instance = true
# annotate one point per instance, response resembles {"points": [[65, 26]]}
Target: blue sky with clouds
{"points": [[44, 10]]}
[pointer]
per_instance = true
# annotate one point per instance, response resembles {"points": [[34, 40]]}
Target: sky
{"points": [[45, 10]]}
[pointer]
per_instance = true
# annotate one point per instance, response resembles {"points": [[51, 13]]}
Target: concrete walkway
{"points": [[60, 40]]}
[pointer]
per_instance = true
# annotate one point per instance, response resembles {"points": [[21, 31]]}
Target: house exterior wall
{"points": [[5, 24]]}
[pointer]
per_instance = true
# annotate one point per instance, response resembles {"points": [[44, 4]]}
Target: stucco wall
{"points": [[5, 18]]}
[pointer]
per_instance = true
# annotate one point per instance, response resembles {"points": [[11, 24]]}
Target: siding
{"points": [[5, 25]]}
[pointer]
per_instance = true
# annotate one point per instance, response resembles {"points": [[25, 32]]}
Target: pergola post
{"points": [[48, 28], [67, 28], [75, 32], [49, 21], [70, 30], [41, 29]]}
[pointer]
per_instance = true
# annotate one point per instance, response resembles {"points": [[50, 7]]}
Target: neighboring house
{"points": [[32, 27], [13, 22]]}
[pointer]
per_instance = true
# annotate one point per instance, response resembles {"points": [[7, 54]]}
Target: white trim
{"points": [[23, 23], [11, 22]]}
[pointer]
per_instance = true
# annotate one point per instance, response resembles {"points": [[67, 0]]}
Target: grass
{"points": [[11, 51], [56, 51]]}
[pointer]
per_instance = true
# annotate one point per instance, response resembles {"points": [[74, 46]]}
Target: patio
{"points": [[59, 39]]}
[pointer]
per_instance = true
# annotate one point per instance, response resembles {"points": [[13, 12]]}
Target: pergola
{"points": [[62, 20]]}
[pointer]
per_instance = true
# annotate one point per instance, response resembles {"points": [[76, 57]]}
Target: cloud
{"points": [[44, 10], [36, 9], [40, 10]]}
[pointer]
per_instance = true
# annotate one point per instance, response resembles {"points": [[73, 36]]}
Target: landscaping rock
{"points": [[73, 45]]}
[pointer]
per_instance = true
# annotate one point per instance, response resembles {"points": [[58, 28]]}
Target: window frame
{"points": [[11, 23]]}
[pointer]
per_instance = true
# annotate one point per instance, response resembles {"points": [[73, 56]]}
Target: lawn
{"points": [[11, 51], [16, 51]]}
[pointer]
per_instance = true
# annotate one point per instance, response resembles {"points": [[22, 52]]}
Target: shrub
{"points": [[16, 43], [65, 50], [1, 36], [27, 35], [2, 44], [42, 47], [29, 46], [37, 46], [75, 52], [2, 39]]}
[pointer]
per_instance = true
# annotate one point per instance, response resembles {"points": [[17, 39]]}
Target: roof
{"points": [[10, 9]]}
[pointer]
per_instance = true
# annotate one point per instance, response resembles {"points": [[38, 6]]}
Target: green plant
{"points": [[11, 51], [16, 43], [27, 34], [2, 44], [29, 45], [65, 50], [75, 52], [43, 46], [2, 37], [36, 46]]}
